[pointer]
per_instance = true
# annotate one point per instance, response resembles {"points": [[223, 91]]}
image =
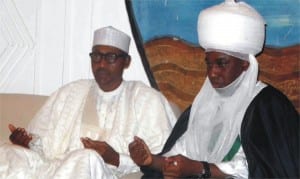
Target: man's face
{"points": [[222, 69], [108, 64]]}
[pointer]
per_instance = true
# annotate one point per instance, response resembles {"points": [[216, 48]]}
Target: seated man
{"points": [[237, 126], [84, 128]]}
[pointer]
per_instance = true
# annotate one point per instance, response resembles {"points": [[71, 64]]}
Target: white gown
{"points": [[80, 109]]}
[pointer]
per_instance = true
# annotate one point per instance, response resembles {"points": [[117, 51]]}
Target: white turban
{"points": [[232, 26], [217, 113], [112, 37]]}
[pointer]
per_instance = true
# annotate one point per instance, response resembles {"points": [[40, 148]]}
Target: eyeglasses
{"points": [[108, 57]]}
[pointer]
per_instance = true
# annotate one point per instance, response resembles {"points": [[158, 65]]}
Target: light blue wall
{"points": [[157, 18]]}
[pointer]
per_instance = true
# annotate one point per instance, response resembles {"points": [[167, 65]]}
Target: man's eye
{"points": [[111, 56], [222, 63], [208, 64], [96, 55]]}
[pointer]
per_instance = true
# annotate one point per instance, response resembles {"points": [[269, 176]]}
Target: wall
{"points": [[45, 43], [157, 18]]}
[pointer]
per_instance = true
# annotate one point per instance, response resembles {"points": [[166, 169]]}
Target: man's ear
{"points": [[245, 65], [127, 61]]}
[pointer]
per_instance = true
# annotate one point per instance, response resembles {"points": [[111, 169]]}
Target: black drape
{"points": [[270, 136]]}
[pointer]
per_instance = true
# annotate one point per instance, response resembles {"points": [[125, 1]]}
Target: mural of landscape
{"points": [[174, 61]]}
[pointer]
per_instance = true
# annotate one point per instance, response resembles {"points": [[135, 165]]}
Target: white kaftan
{"points": [[215, 122], [81, 109]]}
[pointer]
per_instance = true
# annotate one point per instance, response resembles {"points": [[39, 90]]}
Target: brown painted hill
{"points": [[179, 69]]}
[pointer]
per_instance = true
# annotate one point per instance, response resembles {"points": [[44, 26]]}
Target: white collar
{"points": [[109, 94]]}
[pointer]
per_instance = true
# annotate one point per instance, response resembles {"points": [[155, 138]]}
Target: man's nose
{"points": [[214, 71], [102, 62]]}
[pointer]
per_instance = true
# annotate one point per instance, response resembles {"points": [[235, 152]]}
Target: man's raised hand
{"points": [[139, 152], [19, 136]]}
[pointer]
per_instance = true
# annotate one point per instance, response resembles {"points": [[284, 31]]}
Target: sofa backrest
{"points": [[17, 109]]}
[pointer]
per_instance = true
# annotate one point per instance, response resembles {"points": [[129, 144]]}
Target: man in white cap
{"points": [[237, 126], [84, 128]]}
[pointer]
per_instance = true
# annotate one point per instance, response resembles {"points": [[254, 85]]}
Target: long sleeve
{"points": [[56, 124], [237, 167], [38, 126], [133, 109], [36, 144], [270, 136], [155, 120], [126, 164]]}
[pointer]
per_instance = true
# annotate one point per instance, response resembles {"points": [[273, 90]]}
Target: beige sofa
{"points": [[19, 109]]}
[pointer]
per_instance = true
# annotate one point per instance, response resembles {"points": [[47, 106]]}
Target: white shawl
{"points": [[216, 116]]}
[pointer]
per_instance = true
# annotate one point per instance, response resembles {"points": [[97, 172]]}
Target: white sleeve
{"points": [[155, 118], [38, 125], [36, 144], [127, 165], [237, 167], [178, 148]]}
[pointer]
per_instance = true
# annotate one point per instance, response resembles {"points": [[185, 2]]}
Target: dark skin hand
{"points": [[140, 152], [19, 136], [180, 166], [171, 167], [108, 154], [141, 155]]}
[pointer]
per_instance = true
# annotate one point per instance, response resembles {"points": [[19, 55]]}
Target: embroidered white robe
{"points": [[81, 109]]}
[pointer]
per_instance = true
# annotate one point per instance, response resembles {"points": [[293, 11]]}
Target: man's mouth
{"points": [[216, 83], [102, 72]]}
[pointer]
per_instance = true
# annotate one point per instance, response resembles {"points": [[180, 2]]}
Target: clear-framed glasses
{"points": [[108, 57]]}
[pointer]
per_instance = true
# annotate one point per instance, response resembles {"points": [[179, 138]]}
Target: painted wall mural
{"points": [[176, 66], [156, 18]]}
